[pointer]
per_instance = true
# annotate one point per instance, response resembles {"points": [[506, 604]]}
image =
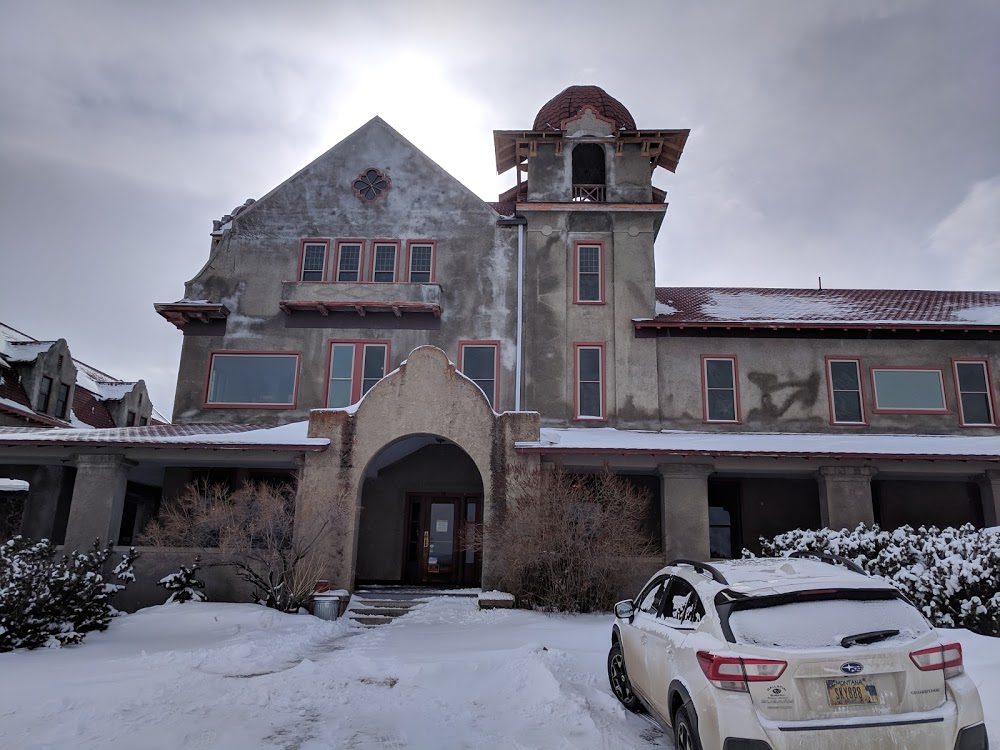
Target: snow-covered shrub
{"points": [[952, 575], [568, 539], [184, 585], [49, 601]]}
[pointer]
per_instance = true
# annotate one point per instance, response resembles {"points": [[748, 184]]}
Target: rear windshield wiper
{"points": [[864, 639]]}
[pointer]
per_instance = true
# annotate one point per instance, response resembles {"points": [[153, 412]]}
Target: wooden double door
{"points": [[441, 539]]}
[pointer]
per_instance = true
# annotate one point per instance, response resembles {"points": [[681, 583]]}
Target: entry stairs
{"points": [[373, 607]]}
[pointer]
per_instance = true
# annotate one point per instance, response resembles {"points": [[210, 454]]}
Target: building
{"points": [[373, 328]]}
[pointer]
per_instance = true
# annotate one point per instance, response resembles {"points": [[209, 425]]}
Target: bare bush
{"points": [[568, 541], [253, 527]]}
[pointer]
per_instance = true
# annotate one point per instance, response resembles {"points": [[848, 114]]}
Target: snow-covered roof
{"points": [[290, 436], [879, 308], [23, 351], [681, 442]]}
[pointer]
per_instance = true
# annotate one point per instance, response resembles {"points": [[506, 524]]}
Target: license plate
{"points": [[851, 692]]}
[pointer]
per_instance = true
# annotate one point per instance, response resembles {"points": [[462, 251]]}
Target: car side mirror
{"points": [[624, 610]]}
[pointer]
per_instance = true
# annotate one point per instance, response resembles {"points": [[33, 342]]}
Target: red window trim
{"points": [[409, 246], [736, 389], [955, 362], [861, 389], [335, 275], [206, 404], [944, 392], [576, 272], [371, 261], [577, 346], [358, 371], [302, 257], [495, 343]]}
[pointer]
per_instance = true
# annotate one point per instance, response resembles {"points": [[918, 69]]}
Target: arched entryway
{"points": [[421, 501]]}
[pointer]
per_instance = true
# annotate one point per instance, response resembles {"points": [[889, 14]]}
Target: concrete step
{"points": [[371, 620], [380, 611], [387, 603]]}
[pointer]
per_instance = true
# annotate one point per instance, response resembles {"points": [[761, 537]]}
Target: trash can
{"points": [[326, 606]]}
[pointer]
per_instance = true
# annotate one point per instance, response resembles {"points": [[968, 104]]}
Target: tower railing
{"points": [[588, 193]]}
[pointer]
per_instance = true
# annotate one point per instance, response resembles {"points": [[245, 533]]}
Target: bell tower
{"points": [[584, 191]]}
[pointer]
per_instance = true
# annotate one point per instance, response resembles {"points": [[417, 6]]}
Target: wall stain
{"points": [[789, 392]]}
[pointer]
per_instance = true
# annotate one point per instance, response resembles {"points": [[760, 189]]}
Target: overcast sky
{"points": [[854, 140]]}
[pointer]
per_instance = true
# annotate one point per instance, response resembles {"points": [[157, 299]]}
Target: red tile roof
{"points": [[858, 308], [571, 101], [89, 410]]}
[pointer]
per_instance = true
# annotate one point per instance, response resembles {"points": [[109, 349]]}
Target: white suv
{"points": [[769, 654]]}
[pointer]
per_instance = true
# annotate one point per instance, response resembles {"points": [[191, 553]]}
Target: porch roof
{"points": [[288, 437], [607, 440]]}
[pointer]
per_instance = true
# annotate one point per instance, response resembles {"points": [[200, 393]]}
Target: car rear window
{"points": [[819, 622]]}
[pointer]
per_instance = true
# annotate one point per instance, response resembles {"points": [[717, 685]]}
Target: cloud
{"points": [[968, 238]]}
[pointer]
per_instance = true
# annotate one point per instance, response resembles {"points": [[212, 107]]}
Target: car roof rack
{"points": [[701, 567], [829, 557]]}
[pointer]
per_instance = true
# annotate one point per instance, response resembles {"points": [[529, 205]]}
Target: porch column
{"points": [[989, 491], [845, 496], [684, 515], [98, 497]]}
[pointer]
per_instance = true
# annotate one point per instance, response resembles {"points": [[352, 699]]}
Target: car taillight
{"points": [[734, 672], [947, 657]]}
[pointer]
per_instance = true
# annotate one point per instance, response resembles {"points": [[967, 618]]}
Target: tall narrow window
{"points": [[45, 394], [589, 273], [384, 262], [313, 261], [62, 400], [479, 361], [130, 419], [719, 377], [252, 379], [355, 366], [421, 262], [349, 261], [590, 381], [846, 404], [975, 395]]}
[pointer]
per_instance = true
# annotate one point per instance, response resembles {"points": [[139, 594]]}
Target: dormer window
{"points": [[45, 394], [589, 177], [62, 400]]}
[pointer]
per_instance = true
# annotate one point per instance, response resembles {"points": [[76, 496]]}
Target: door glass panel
{"points": [[441, 552], [341, 375], [373, 369], [470, 533]]}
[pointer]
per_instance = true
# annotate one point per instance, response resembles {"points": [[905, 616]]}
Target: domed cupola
{"points": [[573, 101]]}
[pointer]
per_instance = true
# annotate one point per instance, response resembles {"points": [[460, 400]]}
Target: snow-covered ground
{"points": [[447, 675]]}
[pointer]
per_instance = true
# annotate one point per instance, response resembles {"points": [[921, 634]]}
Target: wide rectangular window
{"points": [[590, 381], [975, 394], [314, 261], [909, 390], [252, 379], [349, 261], [589, 272], [355, 366], [846, 403], [719, 379], [384, 262], [421, 262], [45, 394], [62, 400], [479, 361]]}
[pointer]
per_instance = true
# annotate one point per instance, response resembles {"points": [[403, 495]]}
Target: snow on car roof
{"points": [[760, 576]]}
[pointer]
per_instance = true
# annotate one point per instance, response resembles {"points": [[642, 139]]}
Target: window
{"points": [[349, 261], [975, 396], [650, 599], [384, 262], [844, 380], [480, 361], [355, 366], [45, 394], [589, 273], [265, 379], [909, 390], [421, 269], [589, 381], [681, 606], [721, 394], [143, 421], [62, 400], [313, 261], [130, 419]]}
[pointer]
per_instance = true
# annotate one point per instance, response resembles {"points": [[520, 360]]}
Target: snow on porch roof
{"points": [[823, 308], [285, 437], [771, 444]]}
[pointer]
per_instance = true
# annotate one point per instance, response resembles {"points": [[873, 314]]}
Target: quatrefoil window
{"points": [[370, 184]]}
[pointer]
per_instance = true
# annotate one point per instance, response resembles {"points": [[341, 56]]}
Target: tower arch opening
{"points": [[589, 172]]}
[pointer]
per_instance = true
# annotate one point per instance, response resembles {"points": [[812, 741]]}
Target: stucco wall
{"points": [[475, 268]]}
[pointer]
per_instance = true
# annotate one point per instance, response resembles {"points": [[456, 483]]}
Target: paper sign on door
{"points": [[442, 527]]}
